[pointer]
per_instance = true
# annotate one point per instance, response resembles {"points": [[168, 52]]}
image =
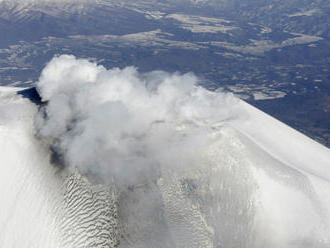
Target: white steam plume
{"points": [[119, 123]]}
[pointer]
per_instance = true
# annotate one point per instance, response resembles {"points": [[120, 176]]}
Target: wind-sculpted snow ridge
{"points": [[90, 215], [152, 160]]}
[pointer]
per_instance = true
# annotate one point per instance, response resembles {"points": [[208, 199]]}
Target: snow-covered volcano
{"points": [[153, 161]]}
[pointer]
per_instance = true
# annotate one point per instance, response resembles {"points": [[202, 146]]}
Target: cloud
{"points": [[121, 124]]}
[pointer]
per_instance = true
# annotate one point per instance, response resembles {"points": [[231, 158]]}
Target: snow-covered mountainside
{"points": [[114, 158]]}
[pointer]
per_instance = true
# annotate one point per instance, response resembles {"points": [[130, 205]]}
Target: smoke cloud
{"points": [[120, 124]]}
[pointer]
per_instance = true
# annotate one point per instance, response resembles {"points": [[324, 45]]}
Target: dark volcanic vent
{"points": [[31, 94]]}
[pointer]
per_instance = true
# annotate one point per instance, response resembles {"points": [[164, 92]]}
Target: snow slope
{"points": [[27, 180], [41, 207], [261, 184]]}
